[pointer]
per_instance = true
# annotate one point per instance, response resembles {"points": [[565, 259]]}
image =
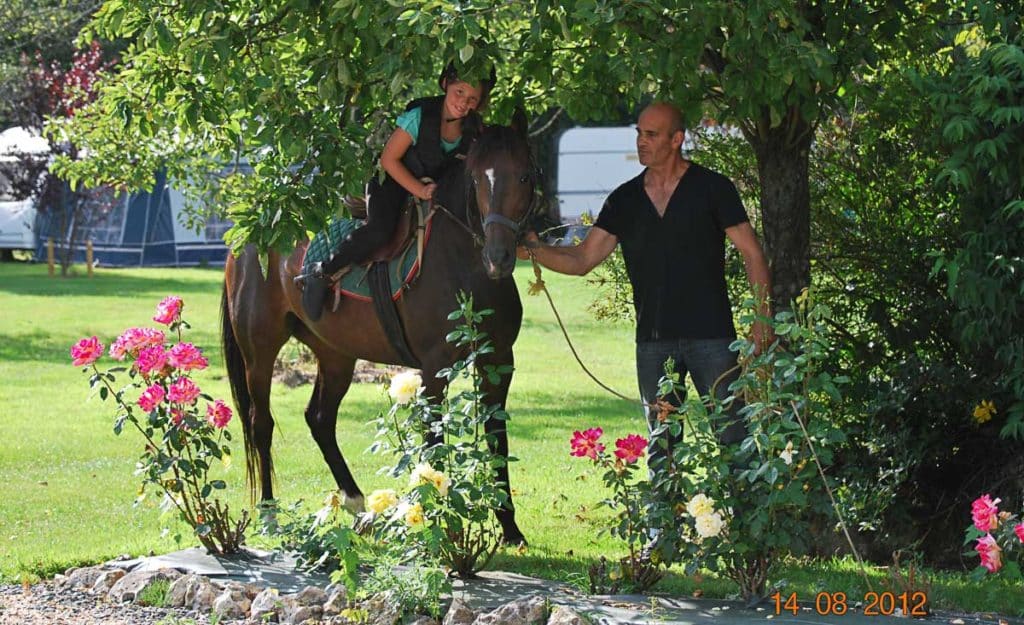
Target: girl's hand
{"points": [[426, 191]]}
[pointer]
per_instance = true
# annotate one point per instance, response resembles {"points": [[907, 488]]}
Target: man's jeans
{"points": [[705, 360]]}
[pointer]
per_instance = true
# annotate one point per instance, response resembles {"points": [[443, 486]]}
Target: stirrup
{"points": [[316, 270]]}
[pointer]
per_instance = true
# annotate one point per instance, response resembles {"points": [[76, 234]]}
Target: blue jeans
{"points": [[705, 360]]}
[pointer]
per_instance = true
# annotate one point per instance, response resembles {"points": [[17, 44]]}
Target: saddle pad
{"points": [[402, 269]]}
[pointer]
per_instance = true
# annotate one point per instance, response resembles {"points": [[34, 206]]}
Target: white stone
{"points": [[337, 600], [526, 611], [107, 580], [84, 577], [459, 614], [231, 604], [133, 584], [562, 615], [266, 605]]}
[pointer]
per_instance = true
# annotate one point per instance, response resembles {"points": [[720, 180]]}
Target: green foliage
{"points": [[300, 91], [446, 449], [320, 540], [980, 103], [154, 594], [750, 505], [416, 588]]}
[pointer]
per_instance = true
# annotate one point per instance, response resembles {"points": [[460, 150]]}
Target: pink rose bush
{"points": [[630, 495], [997, 537], [183, 437]]}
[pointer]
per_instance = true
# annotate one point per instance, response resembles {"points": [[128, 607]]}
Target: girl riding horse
{"points": [[427, 141]]}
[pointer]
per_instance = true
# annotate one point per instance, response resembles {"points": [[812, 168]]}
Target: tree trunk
{"points": [[782, 164]]}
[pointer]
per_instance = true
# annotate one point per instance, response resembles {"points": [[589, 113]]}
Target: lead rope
{"points": [[538, 286]]}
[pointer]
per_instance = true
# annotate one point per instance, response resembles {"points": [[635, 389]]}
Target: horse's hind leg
{"points": [[333, 378]]}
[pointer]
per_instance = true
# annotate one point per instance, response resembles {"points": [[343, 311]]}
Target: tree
{"points": [[50, 92], [47, 27], [297, 88]]}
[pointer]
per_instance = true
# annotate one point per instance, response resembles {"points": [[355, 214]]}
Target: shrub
{"points": [[181, 442]]}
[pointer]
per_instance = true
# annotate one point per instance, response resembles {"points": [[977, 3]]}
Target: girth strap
{"points": [[387, 312]]}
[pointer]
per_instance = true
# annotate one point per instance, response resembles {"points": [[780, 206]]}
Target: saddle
{"points": [[403, 253]]}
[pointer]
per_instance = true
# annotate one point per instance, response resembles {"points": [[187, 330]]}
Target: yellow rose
{"points": [[404, 387], [414, 515], [983, 412], [787, 453], [441, 482], [700, 505], [422, 473], [381, 500], [709, 525]]}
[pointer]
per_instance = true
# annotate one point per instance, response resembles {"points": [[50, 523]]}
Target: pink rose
{"points": [[169, 310], [991, 554], [631, 448], [985, 513], [183, 391], [186, 356], [1019, 531], [151, 360], [86, 351], [177, 417], [218, 414], [135, 339], [151, 398], [584, 444]]}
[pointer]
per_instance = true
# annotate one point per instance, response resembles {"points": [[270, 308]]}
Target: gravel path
{"points": [[47, 603]]}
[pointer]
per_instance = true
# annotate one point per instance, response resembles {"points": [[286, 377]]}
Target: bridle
{"points": [[533, 178]]}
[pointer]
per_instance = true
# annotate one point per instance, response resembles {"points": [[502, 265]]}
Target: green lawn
{"points": [[66, 482]]}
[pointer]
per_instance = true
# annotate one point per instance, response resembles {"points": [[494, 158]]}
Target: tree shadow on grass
{"points": [[37, 345], [31, 281]]}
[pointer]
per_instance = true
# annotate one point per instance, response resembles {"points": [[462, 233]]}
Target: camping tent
{"points": [[144, 228]]}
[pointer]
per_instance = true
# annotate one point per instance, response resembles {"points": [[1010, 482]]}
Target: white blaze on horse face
{"points": [[366, 193], [490, 189]]}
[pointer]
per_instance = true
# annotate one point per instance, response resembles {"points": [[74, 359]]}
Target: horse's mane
{"points": [[497, 139]]}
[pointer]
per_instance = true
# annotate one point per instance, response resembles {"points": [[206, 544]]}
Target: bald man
{"points": [[672, 221]]}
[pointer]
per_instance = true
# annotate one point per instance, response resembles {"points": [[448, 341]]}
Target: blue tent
{"points": [[144, 229]]}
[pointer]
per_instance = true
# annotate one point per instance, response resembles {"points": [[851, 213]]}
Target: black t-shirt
{"points": [[676, 263]]}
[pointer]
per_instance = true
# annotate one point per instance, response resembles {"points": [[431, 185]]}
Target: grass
{"points": [[66, 482]]}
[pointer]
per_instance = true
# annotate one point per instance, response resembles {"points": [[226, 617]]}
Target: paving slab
{"points": [[492, 589]]}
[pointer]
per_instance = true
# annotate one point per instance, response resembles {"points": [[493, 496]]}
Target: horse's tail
{"points": [[239, 390]]}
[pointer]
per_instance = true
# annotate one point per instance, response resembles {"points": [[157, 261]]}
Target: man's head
{"points": [[659, 134]]}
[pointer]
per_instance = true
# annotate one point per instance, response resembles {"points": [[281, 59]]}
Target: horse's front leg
{"points": [[496, 394]]}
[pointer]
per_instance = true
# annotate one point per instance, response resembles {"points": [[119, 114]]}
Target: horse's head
{"points": [[503, 180]]}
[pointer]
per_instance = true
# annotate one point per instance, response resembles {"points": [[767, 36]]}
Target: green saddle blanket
{"points": [[402, 269]]}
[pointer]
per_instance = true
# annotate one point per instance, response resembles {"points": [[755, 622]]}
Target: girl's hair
{"points": [[450, 74]]}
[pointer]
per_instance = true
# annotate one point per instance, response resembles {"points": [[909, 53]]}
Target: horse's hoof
{"points": [[517, 540], [355, 505]]}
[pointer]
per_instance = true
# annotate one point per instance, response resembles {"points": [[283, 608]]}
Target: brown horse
{"points": [[488, 197]]}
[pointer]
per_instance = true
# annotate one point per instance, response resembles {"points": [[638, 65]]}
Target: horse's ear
{"points": [[519, 123], [472, 126]]}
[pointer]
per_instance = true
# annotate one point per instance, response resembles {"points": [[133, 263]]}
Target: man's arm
{"points": [[743, 237], [575, 260]]}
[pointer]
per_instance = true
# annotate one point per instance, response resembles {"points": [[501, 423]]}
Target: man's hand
{"points": [[530, 241]]}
